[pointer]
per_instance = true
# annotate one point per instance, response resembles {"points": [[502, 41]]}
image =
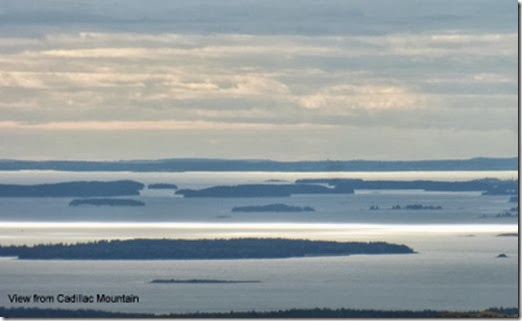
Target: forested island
{"points": [[348, 186], [488, 186], [169, 249], [508, 235], [106, 202], [273, 208], [408, 207], [511, 213], [263, 190], [162, 186], [73, 189], [203, 281], [316, 313]]}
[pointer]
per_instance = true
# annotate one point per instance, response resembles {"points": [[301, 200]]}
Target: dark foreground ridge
{"points": [[106, 202], [73, 189], [198, 164], [167, 249], [273, 208], [316, 313]]}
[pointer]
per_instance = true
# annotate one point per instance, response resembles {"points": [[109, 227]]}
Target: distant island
{"points": [[168, 249], [273, 208], [263, 190], [162, 186], [511, 213], [409, 207], [488, 186], [73, 189], [204, 281], [106, 202], [198, 164], [508, 235]]}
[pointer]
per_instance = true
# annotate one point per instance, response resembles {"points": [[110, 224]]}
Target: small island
{"points": [[203, 281], [162, 186], [507, 235], [205, 249], [408, 207], [273, 208], [511, 213], [106, 202], [502, 256]]}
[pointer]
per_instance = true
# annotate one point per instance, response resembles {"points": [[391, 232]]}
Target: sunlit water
{"points": [[455, 267]]}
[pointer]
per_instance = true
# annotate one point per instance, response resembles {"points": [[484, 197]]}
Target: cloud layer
{"points": [[176, 76]]}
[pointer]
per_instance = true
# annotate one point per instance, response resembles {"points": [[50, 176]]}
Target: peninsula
{"points": [[178, 249]]}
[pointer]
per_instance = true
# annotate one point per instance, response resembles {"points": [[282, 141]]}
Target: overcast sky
{"points": [[285, 80]]}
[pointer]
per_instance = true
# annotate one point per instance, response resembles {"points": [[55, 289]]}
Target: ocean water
{"points": [[455, 267]]}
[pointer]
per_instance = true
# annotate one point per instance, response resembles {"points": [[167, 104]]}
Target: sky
{"points": [[243, 79]]}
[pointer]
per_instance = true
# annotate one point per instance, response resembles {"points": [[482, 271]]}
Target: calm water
{"points": [[456, 266]]}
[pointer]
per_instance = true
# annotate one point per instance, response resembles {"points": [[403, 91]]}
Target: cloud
{"points": [[157, 125], [373, 97]]}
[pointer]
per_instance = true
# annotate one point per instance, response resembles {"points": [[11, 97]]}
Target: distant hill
{"points": [[181, 165]]}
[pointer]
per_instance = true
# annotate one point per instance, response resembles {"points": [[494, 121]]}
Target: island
{"points": [[209, 249], [273, 208], [106, 202], [508, 235], [263, 190], [73, 189], [162, 186], [203, 281], [408, 207], [488, 186], [511, 213], [502, 256]]}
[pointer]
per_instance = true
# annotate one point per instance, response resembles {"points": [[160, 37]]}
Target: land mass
{"points": [[162, 186], [273, 208], [73, 189], [198, 164], [168, 249], [508, 235], [317, 313], [408, 207], [263, 190], [488, 186], [106, 202], [204, 281]]}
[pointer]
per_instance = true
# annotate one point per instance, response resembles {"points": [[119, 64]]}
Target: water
{"points": [[455, 268]]}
